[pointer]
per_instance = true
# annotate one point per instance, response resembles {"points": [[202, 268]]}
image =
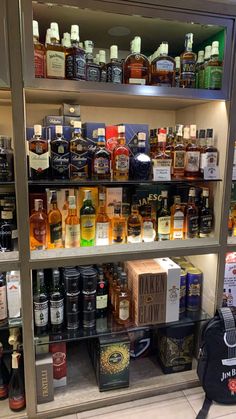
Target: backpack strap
{"points": [[226, 315], [205, 409]]}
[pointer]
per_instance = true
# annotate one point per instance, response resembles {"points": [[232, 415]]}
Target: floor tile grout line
{"points": [[191, 406]]}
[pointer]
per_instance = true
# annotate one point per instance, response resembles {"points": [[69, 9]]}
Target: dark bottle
{"points": [[87, 221], [89, 310], [103, 67], [56, 303], [164, 218], [6, 242], [40, 304], [6, 160], [38, 155], [188, 63], [205, 215], [192, 222], [114, 67], [79, 162], [3, 298], [141, 163], [71, 279], [92, 69], [102, 295], [75, 57], [60, 155], [16, 386], [101, 158], [4, 376]]}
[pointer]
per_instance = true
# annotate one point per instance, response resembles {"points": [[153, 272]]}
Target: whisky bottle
{"points": [[75, 57], [123, 311], [103, 222], [161, 154], [202, 145], [163, 218], [191, 220], [4, 376], [38, 155], [136, 65], [199, 63], [72, 225], [55, 224], [64, 213], [121, 157], [101, 158], [16, 386], [149, 227], [6, 159], [177, 219], [92, 69], [141, 164], [55, 55], [205, 215], [178, 154], [60, 155], [134, 224], [71, 278], [163, 68], [177, 71], [103, 67], [210, 154], [40, 303], [87, 221], [201, 69], [118, 223], [56, 303], [101, 295], [79, 166], [188, 64], [38, 227], [170, 140], [14, 297], [6, 231], [3, 298], [39, 52], [114, 67], [213, 71], [230, 224], [192, 162]]}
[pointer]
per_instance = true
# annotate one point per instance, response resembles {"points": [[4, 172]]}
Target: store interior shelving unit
{"points": [[26, 100]]}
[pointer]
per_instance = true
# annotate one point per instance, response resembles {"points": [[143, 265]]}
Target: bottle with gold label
{"points": [[121, 157], [179, 153], [123, 301], [118, 226], [163, 218], [72, 225], [55, 224], [87, 221], [192, 161]]}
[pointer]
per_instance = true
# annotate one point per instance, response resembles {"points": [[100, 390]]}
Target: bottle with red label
{"points": [[58, 351], [38, 227], [121, 157], [101, 295], [39, 52], [4, 376], [16, 386]]}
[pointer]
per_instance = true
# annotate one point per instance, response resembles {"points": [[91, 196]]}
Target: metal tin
{"points": [[71, 279], [194, 289], [72, 302], [182, 299], [89, 310], [89, 280]]}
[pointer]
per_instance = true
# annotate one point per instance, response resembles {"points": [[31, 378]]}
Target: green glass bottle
{"points": [[87, 222]]}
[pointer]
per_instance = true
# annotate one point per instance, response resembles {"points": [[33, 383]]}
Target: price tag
{"points": [[234, 173], [211, 173], [161, 173]]}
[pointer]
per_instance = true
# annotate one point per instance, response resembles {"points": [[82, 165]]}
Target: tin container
{"points": [[72, 303], [194, 289], [89, 278], [89, 310], [71, 279], [182, 299]]}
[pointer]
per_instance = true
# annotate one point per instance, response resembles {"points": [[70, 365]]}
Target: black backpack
{"points": [[217, 360]]}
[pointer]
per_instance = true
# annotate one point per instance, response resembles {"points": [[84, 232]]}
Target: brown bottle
{"points": [[192, 162], [188, 63], [136, 65], [163, 68], [178, 154], [39, 52]]}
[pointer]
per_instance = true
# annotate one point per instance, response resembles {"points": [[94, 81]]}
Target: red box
{"points": [[58, 351]]}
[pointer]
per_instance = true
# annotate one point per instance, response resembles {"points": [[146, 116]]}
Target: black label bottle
{"points": [[114, 67], [75, 57], [192, 221], [79, 162], [60, 155], [103, 67], [6, 160], [40, 302], [38, 155], [6, 241], [205, 215], [92, 69], [56, 303], [102, 295]]}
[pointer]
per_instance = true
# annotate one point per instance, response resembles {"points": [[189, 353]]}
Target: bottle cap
{"points": [[207, 52], [179, 130], [177, 62], [186, 132], [59, 129], [38, 130], [53, 196], [102, 56], [137, 45], [114, 52], [74, 33], [48, 36], [202, 133], [164, 48], [88, 46], [77, 124], [121, 129], [101, 132], [215, 48], [215, 44], [189, 37], [164, 194], [142, 136], [193, 131], [66, 41], [38, 204], [205, 192], [87, 195], [192, 192], [96, 59], [81, 45], [177, 199], [35, 28], [55, 30], [72, 202]]}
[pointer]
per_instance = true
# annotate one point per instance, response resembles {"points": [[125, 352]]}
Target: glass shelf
{"points": [[10, 325]]}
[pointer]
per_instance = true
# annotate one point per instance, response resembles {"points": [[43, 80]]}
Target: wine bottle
{"points": [[40, 304], [4, 376], [56, 303], [16, 386]]}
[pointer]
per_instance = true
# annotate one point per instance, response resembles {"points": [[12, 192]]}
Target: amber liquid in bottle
{"points": [[136, 65], [192, 162], [38, 227], [178, 154], [55, 224], [39, 53], [121, 157]]}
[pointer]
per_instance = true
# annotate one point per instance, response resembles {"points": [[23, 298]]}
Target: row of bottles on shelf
{"points": [[10, 298], [93, 225], [184, 152], [72, 59]]}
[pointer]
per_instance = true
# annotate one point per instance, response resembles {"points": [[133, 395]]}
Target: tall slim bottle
{"points": [[39, 52], [38, 227], [192, 161], [188, 64], [16, 386], [72, 225], [56, 303], [40, 304], [87, 221], [191, 218], [114, 67]]}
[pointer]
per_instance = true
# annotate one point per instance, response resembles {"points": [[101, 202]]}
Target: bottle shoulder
{"points": [[136, 57]]}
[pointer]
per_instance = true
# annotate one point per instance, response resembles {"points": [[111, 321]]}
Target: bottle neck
{"points": [[35, 39], [54, 205], [101, 142], [141, 146], [72, 211], [56, 283], [205, 201], [121, 139], [164, 203], [191, 199]]}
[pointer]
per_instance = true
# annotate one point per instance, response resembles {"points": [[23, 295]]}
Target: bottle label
{"points": [[102, 233], [93, 73], [136, 71], [5, 168], [179, 159], [6, 215], [39, 162], [14, 298], [114, 74], [163, 226], [72, 235], [165, 65], [188, 69], [55, 232], [3, 302], [79, 165], [134, 233], [3, 391], [133, 80], [103, 76], [101, 302], [60, 162], [40, 234], [209, 159], [192, 225], [124, 308], [88, 227], [206, 224], [72, 310], [122, 163], [213, 77], [41, 314], [118, 232], [178, 226], [17, 402], [39, 61], [55, 64], [101, 166], [57, 311], [148, 231], [192, 161]]}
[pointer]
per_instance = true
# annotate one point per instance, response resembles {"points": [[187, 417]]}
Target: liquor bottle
{"points": [[92, 69], [199, 63], [103, 222], [101, 295], [191, 217], [4, 376], [141, 164], [60, 155], [75, 57], [153, 143], [55, 55], [205, 215], [178, 154], [65, 213], [14, 297], [54, 223], [149, 228], [163, 68], [230, 224], [6, 159], [39, 52], [210, 155], [213, 71], [201, 70], [192, 161], [71, 278], [134, 224], [16, 386], [123, 310], [78, 154], [118, 228], [188, 63], [177, 219], [202, 145], [230, 299], [87, 221], [14, 338], [38, 227], [136, 65], [114, 67], [38, 155], [162, 158], [47, 42], [170, 139], [224, 299], [3, 298], [6, 236], [101, 158], [56, 303], [121, 157], [40, 303], [72, 225], [103, 68], [177, 71], [163, 218]]}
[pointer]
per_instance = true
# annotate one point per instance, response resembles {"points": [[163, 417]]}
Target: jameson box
{"points": [[152, 195], [173, 288], [148, 283], [131, 136], [44, 378], [58, 351], [70, 110]]}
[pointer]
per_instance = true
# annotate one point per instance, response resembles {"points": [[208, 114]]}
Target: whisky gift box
{"points": [[58, 351], [44, 378], [90, 132], [131, 136], [140, 343], [69, 120], [113, 196], [70, 110], [53, 120]]}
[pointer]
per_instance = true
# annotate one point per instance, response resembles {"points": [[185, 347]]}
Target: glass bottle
{"points": [[3, 298], [170, 139], [101, 295], [60, 155], [39, 52], [134, 224], [188, 63], [75, 58], [4, 376], [114, 67], [192, 161], [191, 218], [71, 277], [40, 304], [177, 219], [56, 303], [201, 69], [103, 222], [141, 164], [136, 65], [177, 71], [87, 221], [38, 155], [38, 227], [163, 218], [65, 213], [118, 228], [6, 160], [199, 63], [103, 67], [92, 69], [121, 157], [55, 224], [101, 158], [230, 224], [179, 154], [55, 55], [14, 297], [123, 311], [202, 145], [72, 225], [149, 225], [6, 230], [79, 163], [205, 215], [16, 386], [161, 145], [213, 71], [163, 68]]}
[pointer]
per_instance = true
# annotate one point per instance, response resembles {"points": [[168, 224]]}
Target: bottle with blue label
{"points": [[163, 68], [79, 161], [102, 158], [60, 155]]}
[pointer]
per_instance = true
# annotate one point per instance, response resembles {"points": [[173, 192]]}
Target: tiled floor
{"points": [[180, 405]]}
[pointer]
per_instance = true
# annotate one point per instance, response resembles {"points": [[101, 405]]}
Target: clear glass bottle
{"points": [[39, 52], [118, 226], [191, 218], [103, 222], [101, 158], [188, 64], [214, 70], [163, 68], [75, 57], [163, 218], [6, 159], [55, 55], [38, 155], [38, 227], [92, 69], [121, 157], [55, 224], [87, 221], [161, 145], [177, 219], [79, 161], [134, 224], [149, 224], [179, 154], [72, 225], [192, 162], [60, 155], [114, 67], [141, 164], [205, 215], [136, 65]]}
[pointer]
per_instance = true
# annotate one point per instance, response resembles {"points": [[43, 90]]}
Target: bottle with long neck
{"points": [[103, 222], [55, 223], [191, 220], [72, 225], [38, 227], [213, 71], [136, 65], [177, 219], [103, 67], [40, 304], [55, 55], [118, 226], [56, 303], [114, 67], [179, 154], [123, 306], [192, 161], [39, 52], [38, 155], [188, 64], [200, 61], [16, 386], [163, 218], [92, 69], [87, 221], [4, 376], [76, 57], [134, 224], [205, 215], [3, 298]]}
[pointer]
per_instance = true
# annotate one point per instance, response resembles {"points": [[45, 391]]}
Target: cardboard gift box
{"points": [[44, 378]]}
